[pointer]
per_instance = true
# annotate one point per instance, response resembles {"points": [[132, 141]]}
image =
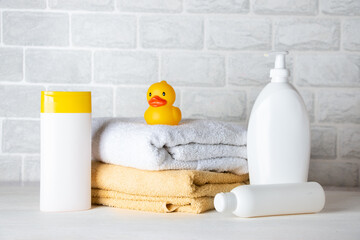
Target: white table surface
{"points": [[20, 218]]}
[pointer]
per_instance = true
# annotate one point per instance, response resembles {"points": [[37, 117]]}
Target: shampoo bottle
{"points": [[65, 183], [272, 199], [278, 132]]}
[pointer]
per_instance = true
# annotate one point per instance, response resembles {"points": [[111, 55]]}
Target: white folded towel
{"points": [[193, 144]]}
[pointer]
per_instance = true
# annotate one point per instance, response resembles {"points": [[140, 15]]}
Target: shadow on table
{"points": [[337, 202]]}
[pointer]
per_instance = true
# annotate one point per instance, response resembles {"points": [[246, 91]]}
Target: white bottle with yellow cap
{"points": [[65, 151]]}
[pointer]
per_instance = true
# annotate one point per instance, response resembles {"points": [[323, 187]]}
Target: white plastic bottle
{"points": [[278, 132], [65, 183], [272, 199]]}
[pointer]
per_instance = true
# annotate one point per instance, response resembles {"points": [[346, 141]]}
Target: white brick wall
{"points": [[307, 34], [211, 51], [103, 30], [20, 136], [35, 28], [171, 31], [239, 34], [194, 69], [120, 67], [57, 66], [288, 7]]}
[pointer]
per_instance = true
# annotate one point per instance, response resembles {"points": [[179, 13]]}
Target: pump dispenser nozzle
{"points": [[279, 73]]}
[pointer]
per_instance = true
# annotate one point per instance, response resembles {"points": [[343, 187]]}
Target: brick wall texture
{"points": [[210, 51]]}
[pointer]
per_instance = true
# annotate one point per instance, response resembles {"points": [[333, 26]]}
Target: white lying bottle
{"points": [[278, 141], [65, 182], [272, 199]]}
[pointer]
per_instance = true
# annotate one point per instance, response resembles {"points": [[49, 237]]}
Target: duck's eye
{"points": [[164, 94], [149, 94]]}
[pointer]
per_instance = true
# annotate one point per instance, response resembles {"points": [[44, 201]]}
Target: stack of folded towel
{"points": [[159, 191], [133, 152]]}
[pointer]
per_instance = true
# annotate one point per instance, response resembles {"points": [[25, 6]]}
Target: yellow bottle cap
{"points": [[65, 102]]}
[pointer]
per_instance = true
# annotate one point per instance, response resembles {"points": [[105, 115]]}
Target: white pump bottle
{"points": [[278, 132]]}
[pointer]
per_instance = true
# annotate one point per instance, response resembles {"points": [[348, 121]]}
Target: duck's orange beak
{"points": [[157, 101]]}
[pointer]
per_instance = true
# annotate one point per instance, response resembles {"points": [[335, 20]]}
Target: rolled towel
{"points": [[159, 191], [193, 144]]}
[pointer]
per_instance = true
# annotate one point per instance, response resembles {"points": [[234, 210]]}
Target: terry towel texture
{"points": [[159, 191], [193, 144]]}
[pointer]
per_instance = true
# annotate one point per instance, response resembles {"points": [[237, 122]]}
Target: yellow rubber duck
{"points": [[161, 97]]}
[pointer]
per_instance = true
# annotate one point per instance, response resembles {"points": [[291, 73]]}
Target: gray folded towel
{"points": [[193, 144]]}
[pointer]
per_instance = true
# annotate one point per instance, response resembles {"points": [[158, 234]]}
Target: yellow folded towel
{"points": [[159, 191], [152, 204]]}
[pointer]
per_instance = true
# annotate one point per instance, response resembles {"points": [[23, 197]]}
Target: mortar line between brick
{"points": [[249, 14], [1, 134], [272, 35], [327, 160], [20, 154], [205, 30], [226, 69], [106, 85], [313, 88], [116, 7], [341, 31], [345, 161], [22, 118], [2, 28], [293, 73], [24, 64], [114, 101], [92, 68], [160, 57], [251, 10], [316, 106], [247, 104], [337, 148], [85, 48], [318, 12], [70, 32], [22, 171], [137, 36]]}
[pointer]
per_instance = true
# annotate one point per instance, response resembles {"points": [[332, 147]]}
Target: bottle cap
{"points": [[65, 102], [225, 202], [279, 73]]}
